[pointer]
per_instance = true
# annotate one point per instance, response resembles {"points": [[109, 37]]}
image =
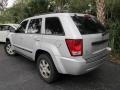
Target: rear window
{"points": [[88, 25]]}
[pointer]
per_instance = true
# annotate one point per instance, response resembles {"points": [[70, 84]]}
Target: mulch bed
{"points": [[115, 58]]}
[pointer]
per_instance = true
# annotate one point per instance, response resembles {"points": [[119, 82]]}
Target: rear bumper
{"points": [[77, 67]]}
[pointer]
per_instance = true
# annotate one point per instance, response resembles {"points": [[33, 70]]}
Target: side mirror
{"points": [[12, 30], [16, 31]]}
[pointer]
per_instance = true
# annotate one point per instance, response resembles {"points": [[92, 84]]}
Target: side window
{"points": [[53, 26], [35, 26], [0, 28], [5, 28], [22, 27], [11, 29]]}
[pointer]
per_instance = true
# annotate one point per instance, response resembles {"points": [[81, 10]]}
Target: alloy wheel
{"points": [[44, 68]]}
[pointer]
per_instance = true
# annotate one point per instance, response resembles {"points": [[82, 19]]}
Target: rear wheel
{"points": [[8, 48], [46, 68]]}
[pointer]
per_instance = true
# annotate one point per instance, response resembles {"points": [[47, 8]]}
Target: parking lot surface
{"points": [[18, 73]]}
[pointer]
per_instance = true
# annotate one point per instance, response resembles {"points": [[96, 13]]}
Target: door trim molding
{"points": [[23, 49]]}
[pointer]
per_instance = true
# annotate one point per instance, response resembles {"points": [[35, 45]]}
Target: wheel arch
{"points": [[40, 51], [7, 39]]}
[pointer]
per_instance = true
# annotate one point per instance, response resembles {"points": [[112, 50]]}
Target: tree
{"points": [[100, 5], [36, 7], [58, 5], [3, 4], [112, 9]]}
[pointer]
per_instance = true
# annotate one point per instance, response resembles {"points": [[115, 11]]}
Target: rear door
{"points": [[54, 36], [95, 38]]}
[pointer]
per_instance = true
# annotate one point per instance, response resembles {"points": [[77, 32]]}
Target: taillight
{"points": [[75, 46]]}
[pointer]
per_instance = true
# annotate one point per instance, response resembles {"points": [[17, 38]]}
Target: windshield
{"points": [[88, 25]]}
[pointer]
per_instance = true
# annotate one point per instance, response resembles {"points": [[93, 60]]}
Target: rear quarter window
{"points": [[53, 26]]}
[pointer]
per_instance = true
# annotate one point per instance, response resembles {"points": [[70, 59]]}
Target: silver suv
{"points": [[66, 43]]}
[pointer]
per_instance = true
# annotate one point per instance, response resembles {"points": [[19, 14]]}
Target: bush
{"points": [[113, 9], [113, 18], [114, 36]]}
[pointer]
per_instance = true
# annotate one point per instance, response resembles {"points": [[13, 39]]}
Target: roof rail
{"points": [[42, 13]]}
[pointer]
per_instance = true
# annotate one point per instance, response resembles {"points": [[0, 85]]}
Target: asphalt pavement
{"points": [[19, 73]]}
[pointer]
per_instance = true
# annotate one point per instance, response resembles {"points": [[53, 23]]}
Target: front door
{"points": [[19, 36], [32, 36]]}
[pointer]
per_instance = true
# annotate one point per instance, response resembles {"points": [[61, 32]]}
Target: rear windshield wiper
{"points": [[104, 33]]}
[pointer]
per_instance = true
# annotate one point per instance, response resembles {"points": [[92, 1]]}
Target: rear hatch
{"points": [[95, 37]]}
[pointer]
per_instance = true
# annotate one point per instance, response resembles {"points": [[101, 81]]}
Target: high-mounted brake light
{"points": [[75, 46]]}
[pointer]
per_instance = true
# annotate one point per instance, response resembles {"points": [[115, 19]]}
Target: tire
{"points": [[47, 68], [8, 49]]}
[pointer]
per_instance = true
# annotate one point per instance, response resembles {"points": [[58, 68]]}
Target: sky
{"points": [[10, 3]]}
